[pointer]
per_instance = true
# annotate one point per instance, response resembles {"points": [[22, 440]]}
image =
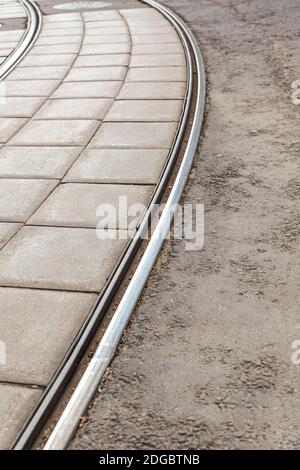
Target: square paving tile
{"points": [[136, 166], [9, 44], [74, 109], [9, 126], [112, 30], [145, 111], [88, 90], [74, 259], [49, 59], [90, 74], [157, 60], [151, 29], [20, 106], [141, 22], [107, 39], [56, 133], [19, 198], [38, 73], [36, 162], [30, 88], [94, 49], [11, 35], [15, 405], [7, 230], [62, 32], [134, 135], [152, 91], [156, 74], [175, 48], [61, 17], [103, 25], [63, 24], [5, 52], [44, 41], [101, 15], [45, 323], [104, 60], [55, 49], [76, 205]]}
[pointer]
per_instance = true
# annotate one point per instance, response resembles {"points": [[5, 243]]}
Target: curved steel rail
{"points": [[33, 425], [86, 388], [27, 40]]}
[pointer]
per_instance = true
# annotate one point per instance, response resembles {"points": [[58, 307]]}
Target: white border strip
{"points": [[33, 28], [104, 354]]}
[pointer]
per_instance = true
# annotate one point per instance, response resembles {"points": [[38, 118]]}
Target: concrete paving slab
{"points": [[72, 259], [107, 39], [165, 29], [38, 73], [74, 109], [62, 32], [173, 48], [90, 74], [36, 162], [94, 49], [52, 40], [49, 59], [76, 205], [5, 52], [144, 111], [7, 230], [9, 126], [20, 106], [104, 60], [156, 74], [56, 133], [157, 60], [63, 24], [35, 317], [134, 135], [11, 35], [102, 25], [15, 405], [152, 91], [19, 198], [140, 22], [15, 15], [61, 17], [117, 30], [142, 166], [55, 49], [91, 16], [88, 90], [30, 88], [7, 45]]}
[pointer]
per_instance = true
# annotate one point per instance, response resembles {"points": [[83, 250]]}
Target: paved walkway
{"points": [[90, 116]]}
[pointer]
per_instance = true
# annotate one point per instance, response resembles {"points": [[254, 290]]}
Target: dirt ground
{"points": [[206, 362]]}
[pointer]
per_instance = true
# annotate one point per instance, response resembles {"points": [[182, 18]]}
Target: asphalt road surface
{"points": [[208, 359]]}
